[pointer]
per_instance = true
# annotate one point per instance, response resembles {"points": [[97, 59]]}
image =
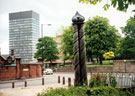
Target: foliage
{"points": [[97, 80], [127, 47], [99, 88], [129, 29], [101, 37], [112, 81], [67, 42], [83, 91], [47, 49], [71, 91], [108, 55], [103, 91], [121, 5], [117, 50], [100, 80]]}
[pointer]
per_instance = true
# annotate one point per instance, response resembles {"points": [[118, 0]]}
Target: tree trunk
{"points": [[97, 60], [100, 59], [50, 64], [64, 62], [91, 58]]}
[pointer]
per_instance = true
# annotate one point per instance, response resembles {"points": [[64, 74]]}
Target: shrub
{"points": [[108, 55], [98, 80], [85, 91], [100, 85], [71, 91]]}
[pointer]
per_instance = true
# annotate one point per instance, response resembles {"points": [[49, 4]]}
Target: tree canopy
{"points": [[67, 42], [129, 29], [127, 47], [121, 5], [101, 37], [47, 49]]}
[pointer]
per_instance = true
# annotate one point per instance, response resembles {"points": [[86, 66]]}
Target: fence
{"points": [[124, 80]]}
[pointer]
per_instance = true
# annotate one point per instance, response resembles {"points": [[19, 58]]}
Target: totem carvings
{"points": [[79, 50]]}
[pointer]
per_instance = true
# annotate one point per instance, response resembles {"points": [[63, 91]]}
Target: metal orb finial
{"points": [[77, 18]]}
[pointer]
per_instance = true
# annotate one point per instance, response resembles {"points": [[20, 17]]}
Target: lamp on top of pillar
{"points": [[125, 65], [79, 50]]}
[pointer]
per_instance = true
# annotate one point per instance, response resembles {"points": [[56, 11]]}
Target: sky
{"points": [[57, 13]]}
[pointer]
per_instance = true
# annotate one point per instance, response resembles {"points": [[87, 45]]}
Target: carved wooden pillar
{"points": [[79, 50]]}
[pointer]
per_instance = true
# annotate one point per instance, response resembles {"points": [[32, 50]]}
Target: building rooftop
{"points": [[23, 14]]}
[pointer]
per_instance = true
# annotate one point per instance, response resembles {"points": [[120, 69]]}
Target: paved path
{"points": [[27, 91], [49, 79], [34, 85]]}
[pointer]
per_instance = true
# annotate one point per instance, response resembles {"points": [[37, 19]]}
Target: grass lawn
{"points": [[105, 63], [97, 65], [66, 66]]}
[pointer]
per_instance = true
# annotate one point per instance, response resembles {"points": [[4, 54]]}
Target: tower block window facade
{"points": [[23, 34]]}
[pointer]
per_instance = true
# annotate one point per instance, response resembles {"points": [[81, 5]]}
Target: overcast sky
{"points": [[57, 13]]}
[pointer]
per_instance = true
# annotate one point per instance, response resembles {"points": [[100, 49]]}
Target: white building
{"points": [[23, 34]]}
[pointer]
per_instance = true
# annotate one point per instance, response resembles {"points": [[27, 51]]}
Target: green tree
{"points": [[128, 43], [47, 49], [67, 42], [129, 29], [101, 37], [127, 48], [121, 5], [108, 55], [117, 50]]}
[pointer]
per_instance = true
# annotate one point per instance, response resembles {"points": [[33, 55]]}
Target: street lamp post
{"points": [[125, 66], [42, 25], [42, 28]]}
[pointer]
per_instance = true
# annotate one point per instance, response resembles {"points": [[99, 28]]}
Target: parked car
{"points": [[48, 71]]}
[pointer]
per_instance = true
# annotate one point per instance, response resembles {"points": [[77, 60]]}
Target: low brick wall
{"points": [[68, 69], [31, 70], [121, 66], [106, 69], [90, 69], [26, 71], [7, 73], [39, 70]]}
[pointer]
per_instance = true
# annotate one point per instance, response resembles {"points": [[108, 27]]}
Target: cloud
{"points": [[57, 13]]}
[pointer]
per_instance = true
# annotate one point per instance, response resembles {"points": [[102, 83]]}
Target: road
{"points": [[49, 79], [53, 79]]}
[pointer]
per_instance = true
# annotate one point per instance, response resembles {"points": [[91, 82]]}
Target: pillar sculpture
{"points": [[79, 50]]}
